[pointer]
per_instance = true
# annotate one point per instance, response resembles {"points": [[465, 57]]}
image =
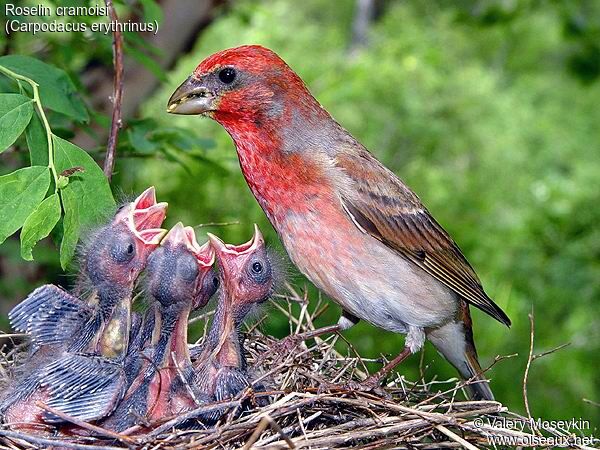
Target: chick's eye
{"points": [[227, 75], [259, 270], [122, 251], [257, 267]]}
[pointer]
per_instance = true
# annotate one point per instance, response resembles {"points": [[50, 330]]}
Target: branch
{"points": [[262, 425], [179, 29], [181, 418], [109, 161], [530, 359]]}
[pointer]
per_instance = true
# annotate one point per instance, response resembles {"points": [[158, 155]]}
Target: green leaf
{"points": [[135, 40], [39, 224], [174, 156], [57, 91], [15, 114], [182, 139], [20, 193], [218, 168], [87, 197], [37, 142], [71, 227]]}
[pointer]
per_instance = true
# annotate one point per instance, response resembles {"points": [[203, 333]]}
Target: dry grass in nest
{"points": [[306, 410]]}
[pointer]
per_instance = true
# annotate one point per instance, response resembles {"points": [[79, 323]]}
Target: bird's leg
{"points": [[347, 320], [373, 381], [415, 338]]}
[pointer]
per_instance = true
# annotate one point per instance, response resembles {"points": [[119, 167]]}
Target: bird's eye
{"points": [[215, 282], [257, 267], [122, 248], [227, 75]]}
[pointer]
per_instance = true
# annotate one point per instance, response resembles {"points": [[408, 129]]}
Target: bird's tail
{"points": [[455, 342]]}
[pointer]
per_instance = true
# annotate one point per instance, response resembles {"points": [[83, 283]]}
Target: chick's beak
{"points": [[147, 213], [144, 216], [192, 97], [222, 249], [146, 199], [257, 239], [176, 236], [218, 245]]}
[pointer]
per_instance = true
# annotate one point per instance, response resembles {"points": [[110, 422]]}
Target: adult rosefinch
{"points": [[348, 223]]}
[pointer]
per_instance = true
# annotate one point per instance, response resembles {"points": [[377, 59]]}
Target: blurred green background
{"points": [[490, 111]]}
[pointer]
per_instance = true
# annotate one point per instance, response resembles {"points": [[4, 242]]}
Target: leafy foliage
{"points": [[39, 224], [43, 99], [20, 194], [15, 113], [57, 91], [84, 197]]}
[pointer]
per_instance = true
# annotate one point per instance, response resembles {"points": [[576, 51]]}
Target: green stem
{"points": [[40, 110]]}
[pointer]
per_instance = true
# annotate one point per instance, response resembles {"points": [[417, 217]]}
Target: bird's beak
{"points": [[180, 235], [176, 236], [205, 255], [217, 244], [144, 216], [192, 97], [147, 213], [222, 248], [226, 254], [250, 246]]}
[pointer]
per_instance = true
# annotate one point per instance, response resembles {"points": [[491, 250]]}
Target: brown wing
{"points": [[384, 207]]}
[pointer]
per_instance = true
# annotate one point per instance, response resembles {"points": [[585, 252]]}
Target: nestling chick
{"points": [[77, 342], [179, 279], [247, 279]]}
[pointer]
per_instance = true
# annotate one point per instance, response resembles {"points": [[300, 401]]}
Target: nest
{"points": [[312, 404]]}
